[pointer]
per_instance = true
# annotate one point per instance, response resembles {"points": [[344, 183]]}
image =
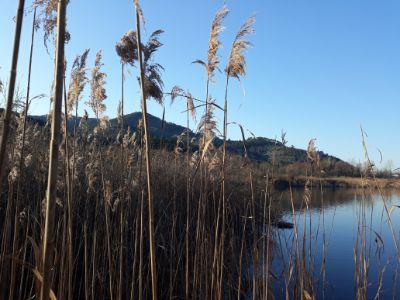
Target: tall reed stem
{"points": [[49, 236], [223, 184], [148, 159], [22, 158], [69, 199], [187, 204], [11, 87]]}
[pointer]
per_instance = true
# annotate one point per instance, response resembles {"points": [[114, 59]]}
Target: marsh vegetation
{"points": [[84, 215]]}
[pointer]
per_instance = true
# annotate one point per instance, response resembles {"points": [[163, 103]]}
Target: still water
{"points": [[345, 232]]}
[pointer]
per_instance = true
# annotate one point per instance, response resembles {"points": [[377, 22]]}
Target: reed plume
{"points": [[207, 124], [214, 42], [236, 66], [210, 67], [151, 86], [78, 80], [126, 49], [48, 19], [311, 151], [176, 92], [98, 92]]}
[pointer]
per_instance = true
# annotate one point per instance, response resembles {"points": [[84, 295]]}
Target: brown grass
{"points": [[115, 218]]}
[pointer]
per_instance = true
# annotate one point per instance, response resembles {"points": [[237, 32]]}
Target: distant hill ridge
{"points": [[168, 130], [258, 149]]}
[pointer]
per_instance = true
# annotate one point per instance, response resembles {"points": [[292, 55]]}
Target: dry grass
{"points": [[116, 219]]}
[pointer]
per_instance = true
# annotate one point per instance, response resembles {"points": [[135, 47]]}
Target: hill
{"points": [[259, 149], [157, 128]]}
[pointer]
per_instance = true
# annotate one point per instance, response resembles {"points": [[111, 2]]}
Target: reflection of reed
{"points": [[328, 198], [303, 252]]}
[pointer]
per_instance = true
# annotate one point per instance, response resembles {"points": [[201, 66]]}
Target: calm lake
{"points": [[344, 239]]}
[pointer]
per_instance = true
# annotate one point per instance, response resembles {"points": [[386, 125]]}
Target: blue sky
{"points": [[318, 69]]}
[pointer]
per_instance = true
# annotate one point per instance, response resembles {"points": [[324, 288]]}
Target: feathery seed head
{"points": [[191, 106], [140, 12], [237, 63], [126, 48], [119, 113], [207, 123], [98, 92], [153, 84], [214, 42], [178, 91], [152, 45], [78, 80], [48, 19], [175, 92], [311, 151], [104, 123]]}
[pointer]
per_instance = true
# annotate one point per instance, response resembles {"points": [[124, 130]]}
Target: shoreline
{"points": [[285, 182]]}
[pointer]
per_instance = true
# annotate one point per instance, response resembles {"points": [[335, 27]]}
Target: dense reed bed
{"points": [[84, 215], [107, 248]]}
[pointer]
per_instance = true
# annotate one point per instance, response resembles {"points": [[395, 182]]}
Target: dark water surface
{"points": [[338, 224]]}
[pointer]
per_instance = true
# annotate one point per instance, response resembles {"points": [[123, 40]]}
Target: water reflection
{"points": [[328, 198], [340, 227]]}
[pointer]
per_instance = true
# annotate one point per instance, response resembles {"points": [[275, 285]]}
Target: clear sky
{"points": [[318, 69]]}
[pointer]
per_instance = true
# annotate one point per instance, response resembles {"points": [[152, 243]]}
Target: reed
{"points": [[22, 156], [151, 86], [127, 216], [49, 229], [11, 87], [190, 110], [236, 67]]}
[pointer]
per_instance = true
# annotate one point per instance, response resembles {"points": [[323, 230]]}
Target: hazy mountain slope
{"points": [[258, 149]]}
